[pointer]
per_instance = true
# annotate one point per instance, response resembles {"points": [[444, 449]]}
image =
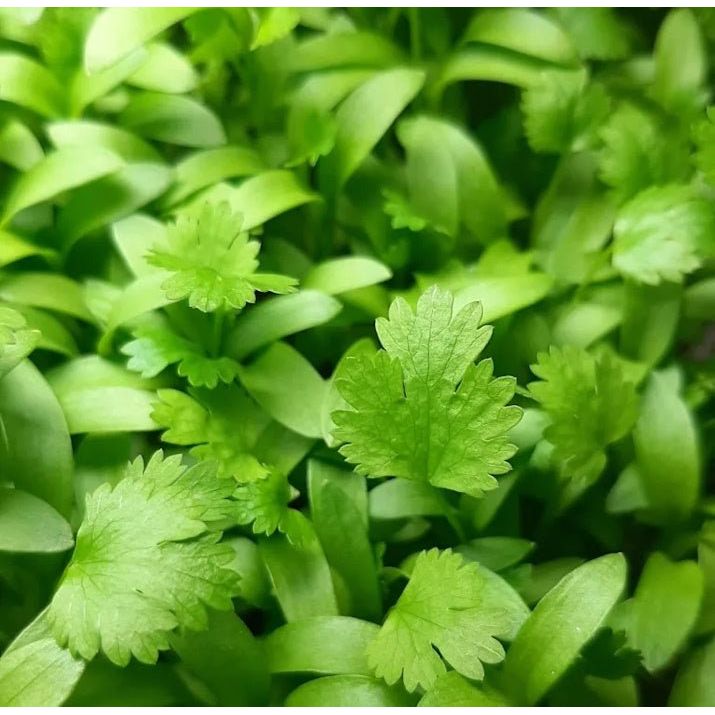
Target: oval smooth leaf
{"points": [[340, 275], [348, 691], [338, 508], [31, 525], [260, 197], [288, 388], [668, 594], [208, 167], [64, 169], [300, 575], [35, 446], [39, 674], [84, 132], [524, 31], [667, 452], [116, 31], [565, 619], [28, 84], [46, 290], [173, 119], [164, 70], [694, 684], [227, 659], [364, 117], [109, 199], [327, 645], [277, 317]]}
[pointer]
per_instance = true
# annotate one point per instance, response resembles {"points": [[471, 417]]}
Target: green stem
{"points": [[217, 332]]}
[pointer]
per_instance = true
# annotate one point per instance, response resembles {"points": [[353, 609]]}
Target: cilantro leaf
{"points": [[156, 346], [17, 339], [263, 503], [401, 213], [440, 616], [223, 424], [146, 561], [213, 263], [598, 32], [591, 404], [408, 420], [640, 151], [663, 233], [609, 655]]}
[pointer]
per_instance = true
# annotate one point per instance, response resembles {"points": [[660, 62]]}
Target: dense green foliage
{"points": [[357, 356]]}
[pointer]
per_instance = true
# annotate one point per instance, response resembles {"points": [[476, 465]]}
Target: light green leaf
{"points": [[667, 452], [597, 32], [164, 70], [30, 525], [348, 691], [35, 671], [338, 509], [260, 198], [134, 237], [83, 132], [173, 119], [273, 24], [58, 172], [450, 180], [263, 501], [326, 645], [486, 63], [504, 296], [88, 88], [86, 385], [694, 685], [562, 623], [277, 318], [45, 290], [524, 31], [288, 388], [117, 31], [17, 339], [14, 248], [344, 49], [669, 594], [300, 575], [340, 275], [139, 297], [650, 320], [452, 690], [54, 335], [28, 84], [364, 117], [18, 146], [640, 151], [681, 61], [35, 446], [227, 659], [204, 168], [496, 552], [403, 499], [109, 199]]}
